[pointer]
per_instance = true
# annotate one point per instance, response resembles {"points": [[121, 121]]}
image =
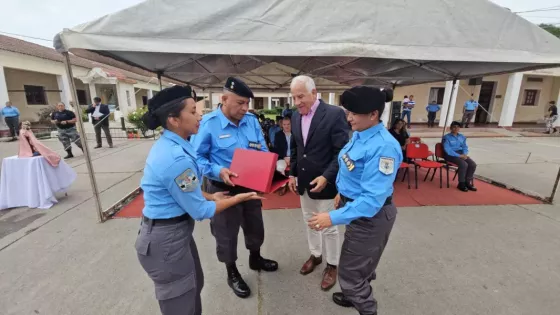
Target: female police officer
{"points": [[173, 200], [368, 166]]}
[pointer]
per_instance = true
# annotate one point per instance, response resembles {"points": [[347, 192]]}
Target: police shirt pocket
{"points": [[226, 142]]}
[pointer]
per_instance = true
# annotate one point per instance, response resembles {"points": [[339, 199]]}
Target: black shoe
{"points": [[462, 187], [339, 299], [97, 146], [471, 187], [236, 282], [69, 155], [257, 262]]}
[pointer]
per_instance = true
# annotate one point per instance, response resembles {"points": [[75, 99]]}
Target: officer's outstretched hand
{"points": [[320, 184], [337, 201], [225, 175], [220, 195], [248, 196], [292, 185]]}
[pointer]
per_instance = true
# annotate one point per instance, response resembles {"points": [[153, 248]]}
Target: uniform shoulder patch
{"points": [[187, 181], [386, 165]]}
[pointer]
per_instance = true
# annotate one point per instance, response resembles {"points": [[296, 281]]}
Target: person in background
{"points": [[100, 118], [287, 112], [432, 110], [468, 111], [11, 117], [551, 117], [399, 132], [408, 105], [456, 151], [368, 165], [282, 148], [319, 131], [65, 122], [173, 200], [274, 129]]}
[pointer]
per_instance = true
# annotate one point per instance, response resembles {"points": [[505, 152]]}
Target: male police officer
{"points": [[221, 132], [65, 122]]}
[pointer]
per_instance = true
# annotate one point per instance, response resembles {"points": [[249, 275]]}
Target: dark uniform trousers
{"points": [[169, 256], [13, 125], [364, 242], [431, 118], [466, 168], [225, 226], [467, 117]]}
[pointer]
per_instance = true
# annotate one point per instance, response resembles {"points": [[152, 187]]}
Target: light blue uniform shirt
{"points": [[432, 108], [368, 165], [10, 111], [471, 105], [171, 181], [218, 138], [289, 150], [453, 144], [272, 132]]}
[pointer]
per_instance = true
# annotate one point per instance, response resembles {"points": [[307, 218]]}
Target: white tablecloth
{"points": [[32, 182]]}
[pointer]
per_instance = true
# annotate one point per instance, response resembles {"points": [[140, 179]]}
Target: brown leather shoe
{"points": [[310, 264], [329, 277]]}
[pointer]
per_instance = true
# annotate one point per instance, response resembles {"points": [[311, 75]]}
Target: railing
{"points": [[116, 133]]}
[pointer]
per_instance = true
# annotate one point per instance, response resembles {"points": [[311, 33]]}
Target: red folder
{"points": [[256, 170]]}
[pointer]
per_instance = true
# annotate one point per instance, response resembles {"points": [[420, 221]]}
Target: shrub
{"points": [[44, 114], [135, 118]]}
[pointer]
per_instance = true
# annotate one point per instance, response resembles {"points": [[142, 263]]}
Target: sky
{"points": [[44, 18]]}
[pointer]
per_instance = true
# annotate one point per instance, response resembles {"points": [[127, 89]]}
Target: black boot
{"points": [[257, 262], [462, 187], [236, 283], [69, 155], [470, 186], [340, 299]]}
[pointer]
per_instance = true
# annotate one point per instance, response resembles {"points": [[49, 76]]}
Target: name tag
{"points": [[224, 136], [348, 162], [254, 145]]}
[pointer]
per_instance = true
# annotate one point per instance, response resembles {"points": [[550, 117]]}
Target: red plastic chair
{"points": [[404, 166], [419, 153], [415, 140], [440, 157]]}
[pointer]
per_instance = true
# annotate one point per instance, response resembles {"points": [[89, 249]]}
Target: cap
{"points": [[170, 95], [365, 99], [238, 87], [455, 123]]}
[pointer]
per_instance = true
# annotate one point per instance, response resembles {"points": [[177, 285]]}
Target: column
{"points": [[290, 100], [446, 105], [270, 102], [211, 100], [3, 97], [331, 98], [251, 104], [64, 87], [92, 92], [386, 112], [150, 93], [319, 96], [510, 99]]}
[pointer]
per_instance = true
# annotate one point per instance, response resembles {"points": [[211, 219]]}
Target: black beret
{"points": [[365, 99], [455, 123], [169, 96], [238, 87]]}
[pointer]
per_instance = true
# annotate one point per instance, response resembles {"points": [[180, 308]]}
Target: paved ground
{"points": [[440, 260]]}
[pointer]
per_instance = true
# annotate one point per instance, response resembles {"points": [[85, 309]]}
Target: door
{"points": [[484, 101]]}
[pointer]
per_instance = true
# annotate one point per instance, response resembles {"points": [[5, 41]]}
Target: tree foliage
{"points": [[552, 29]]}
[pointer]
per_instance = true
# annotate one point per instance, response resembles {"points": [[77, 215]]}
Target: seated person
{"points": [[282, 148], [456, 151], [400, 133]]}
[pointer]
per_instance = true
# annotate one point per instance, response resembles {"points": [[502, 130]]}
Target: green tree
{"points": [[552, 29]]}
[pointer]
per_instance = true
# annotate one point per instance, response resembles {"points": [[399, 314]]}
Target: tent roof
{"points": [[267, 42]]}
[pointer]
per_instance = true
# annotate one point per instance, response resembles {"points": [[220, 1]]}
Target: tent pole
{"points": [[555, 187], [87, 156], [448, 108], [159, 79]]}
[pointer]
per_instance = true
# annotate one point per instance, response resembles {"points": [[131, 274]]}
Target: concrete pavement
{"points": [[440, 260]]}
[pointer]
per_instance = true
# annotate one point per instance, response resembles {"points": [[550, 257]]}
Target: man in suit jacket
{"points": [[100, 118], [319, 131]]}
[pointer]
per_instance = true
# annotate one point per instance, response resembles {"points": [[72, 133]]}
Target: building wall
{"points": [[139, 94], [525, 113], [15, 81]]}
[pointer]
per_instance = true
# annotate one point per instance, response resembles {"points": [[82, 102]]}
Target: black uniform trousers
{"points": [[225, 225], [13, 125], [431, 118], [364, 242], [465, 168], [168, 254]]}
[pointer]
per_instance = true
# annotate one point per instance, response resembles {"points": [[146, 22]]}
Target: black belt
{"points": [[345, 199], [233, 190], [169, 221]]}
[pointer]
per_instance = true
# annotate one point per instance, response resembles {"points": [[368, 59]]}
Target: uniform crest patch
{"points": [[348, 162], [386, 165], [187, 181], [254, 145]]}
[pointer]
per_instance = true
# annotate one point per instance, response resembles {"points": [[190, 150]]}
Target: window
{"points": [[436, 94], [35, 95], [82, 97], [144, 100], [534, 79], [530, 97]]}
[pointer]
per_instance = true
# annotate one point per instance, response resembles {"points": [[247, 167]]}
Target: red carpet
{"points": [[427, 194]]}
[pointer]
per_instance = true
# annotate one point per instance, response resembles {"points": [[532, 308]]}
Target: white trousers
{"points": [[281, 166], [328, 237]]}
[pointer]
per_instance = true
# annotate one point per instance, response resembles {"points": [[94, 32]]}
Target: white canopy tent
{"points": [[384, 43]]}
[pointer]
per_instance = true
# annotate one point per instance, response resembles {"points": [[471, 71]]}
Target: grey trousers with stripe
{"points": [[364, 242], [169, 256]]}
